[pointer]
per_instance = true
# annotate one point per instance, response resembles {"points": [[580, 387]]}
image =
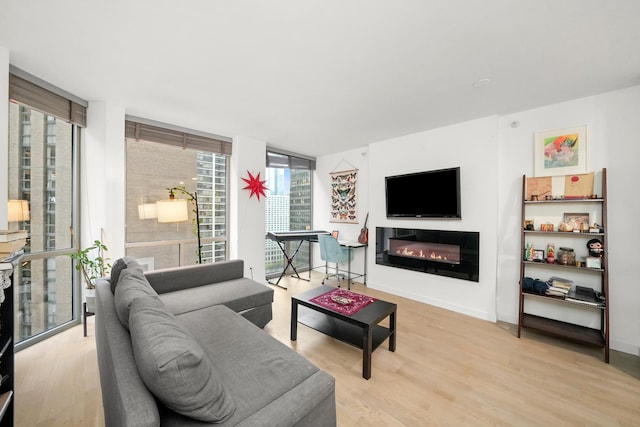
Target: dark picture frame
{"points": [[538, 255]]}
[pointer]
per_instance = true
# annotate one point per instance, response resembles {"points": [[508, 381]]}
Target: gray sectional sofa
{"points": [[184, 347]]}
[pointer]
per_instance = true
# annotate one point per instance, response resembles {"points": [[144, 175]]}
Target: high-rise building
{"points": [[212, 203], [220, 206], [300, 211], [276, 219], [300, 199]]}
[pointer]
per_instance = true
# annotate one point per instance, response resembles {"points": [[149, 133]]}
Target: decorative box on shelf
{"points": [[594, 262]]}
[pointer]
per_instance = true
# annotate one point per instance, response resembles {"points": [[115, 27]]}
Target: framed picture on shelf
{"points": [[538, 255], [561, 151], [576, 220]]}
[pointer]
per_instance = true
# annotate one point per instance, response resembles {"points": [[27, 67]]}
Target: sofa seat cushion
{"points": [[174, 366], [238, 295], [256, 368]]}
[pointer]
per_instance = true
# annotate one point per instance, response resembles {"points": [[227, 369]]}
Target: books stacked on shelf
{"points": [[11, 235], [11, 242], [585, 295], [559, 287]]}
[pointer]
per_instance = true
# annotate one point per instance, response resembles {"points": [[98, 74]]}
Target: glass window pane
{"points": [[44, 295], [41, 171], [154, 168], [288, 207]]}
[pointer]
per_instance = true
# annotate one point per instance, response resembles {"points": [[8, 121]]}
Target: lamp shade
{"points": [[147, 211], [18, 210], [175, 210]]}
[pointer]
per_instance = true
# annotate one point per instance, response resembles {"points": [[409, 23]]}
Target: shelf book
{"points": [[11, 235]]}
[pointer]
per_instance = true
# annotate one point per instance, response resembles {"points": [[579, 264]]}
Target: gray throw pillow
{"points": [[132, 284], [173, 366], [116, 269]]}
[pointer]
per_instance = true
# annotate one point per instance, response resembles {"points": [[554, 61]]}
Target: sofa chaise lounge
{"points": [[184, 347]]}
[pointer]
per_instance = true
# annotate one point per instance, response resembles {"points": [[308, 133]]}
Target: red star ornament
{"points": [[256, 186]]}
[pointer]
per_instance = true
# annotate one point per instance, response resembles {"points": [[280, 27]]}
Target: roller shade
{"points": [[34, 96], [291, 161], [179, 138]]}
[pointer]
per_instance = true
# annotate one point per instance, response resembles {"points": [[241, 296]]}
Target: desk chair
{"points": [[331, 251]]}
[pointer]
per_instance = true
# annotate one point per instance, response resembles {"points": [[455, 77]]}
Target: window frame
{"points": [[33, 93], [139, 129]]}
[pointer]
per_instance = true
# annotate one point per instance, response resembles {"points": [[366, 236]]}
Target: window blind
{"points": [[277, 159], [170, 135], [39, 98]]}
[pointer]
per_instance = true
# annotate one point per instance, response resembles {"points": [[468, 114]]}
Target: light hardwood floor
{"points": [[448, 369]]}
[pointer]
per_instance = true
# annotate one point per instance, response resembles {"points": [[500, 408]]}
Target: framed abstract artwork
{"points": [[561, 151]]}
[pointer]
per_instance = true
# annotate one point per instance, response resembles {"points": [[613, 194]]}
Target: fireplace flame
{"points": [[432, 251], [421, 254]]}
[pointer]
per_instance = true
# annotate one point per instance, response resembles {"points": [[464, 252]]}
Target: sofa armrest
{"points": [[178, 278], [126, 400]]}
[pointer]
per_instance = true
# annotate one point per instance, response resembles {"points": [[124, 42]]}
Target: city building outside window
{"points": [[41, 171]]}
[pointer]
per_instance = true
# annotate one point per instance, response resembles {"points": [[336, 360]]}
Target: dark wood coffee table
{"points": [[360, 329]]}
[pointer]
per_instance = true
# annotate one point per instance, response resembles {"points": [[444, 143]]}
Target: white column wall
{"points": [[246, 217], [102, 179]]}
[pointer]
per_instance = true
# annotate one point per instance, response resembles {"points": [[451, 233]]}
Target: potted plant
{"points": [[92, 265]]}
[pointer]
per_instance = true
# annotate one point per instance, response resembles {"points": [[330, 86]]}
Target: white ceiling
{"points": [[317, 77]]}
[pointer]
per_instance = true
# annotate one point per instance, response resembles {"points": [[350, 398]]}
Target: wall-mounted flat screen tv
{"points": [[429, 194]]}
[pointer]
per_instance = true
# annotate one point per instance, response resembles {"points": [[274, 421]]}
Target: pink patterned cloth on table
{"points": [[343, 301]]}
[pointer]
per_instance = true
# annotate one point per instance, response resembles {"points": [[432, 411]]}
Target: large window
{"points": [[41, 171], [288, 207], [155, 167]]}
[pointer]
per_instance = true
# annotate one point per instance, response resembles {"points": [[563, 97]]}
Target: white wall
{"points": [[246, 217], [494, 156], [473, 146], [612, 129], [347, 160]]}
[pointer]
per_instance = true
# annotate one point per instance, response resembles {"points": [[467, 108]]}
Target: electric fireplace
{"points": [[442, 252]]}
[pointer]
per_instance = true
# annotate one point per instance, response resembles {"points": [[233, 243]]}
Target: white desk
{"points": [[351, 245]]}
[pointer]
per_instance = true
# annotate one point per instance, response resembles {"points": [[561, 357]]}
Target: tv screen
{"points": [[429, 194]]}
